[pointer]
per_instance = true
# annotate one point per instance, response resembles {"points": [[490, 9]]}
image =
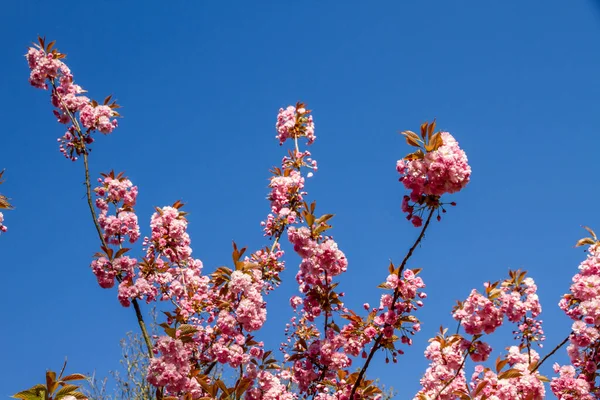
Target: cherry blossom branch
{"points": [[561, 344], [396, 295], [90, 202]]}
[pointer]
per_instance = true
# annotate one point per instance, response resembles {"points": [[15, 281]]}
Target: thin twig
{"points": [[561, 344], [396, 295], [88, 189]]}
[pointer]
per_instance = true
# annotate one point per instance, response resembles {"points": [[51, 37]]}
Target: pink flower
{"points": [[171, 367], [3, 228], [293, 122], [478, 314], [98, 118], [441, 171], [569, 385]]}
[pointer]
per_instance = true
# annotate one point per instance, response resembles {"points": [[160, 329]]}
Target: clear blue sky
{"points": [[201, 82]]}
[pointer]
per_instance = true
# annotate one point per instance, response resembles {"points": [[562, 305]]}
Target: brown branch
{"points": [[88, 189], [454, 377], [140, 319], [561, 344], [396, 295]]}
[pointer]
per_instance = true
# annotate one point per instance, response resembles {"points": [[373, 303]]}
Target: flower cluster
{"points": [[517, 382], [98, 118], [521, 306], [269, 387], [119, 192], [271, 264], [171, 368], [582, 305], [43, 66], [396, 308], [570, 385], [479, 314], [295, 122], [445, 374], [287, 194], [168, 271], [442, 168], [445, 378], [321, 262], [46, 66]]}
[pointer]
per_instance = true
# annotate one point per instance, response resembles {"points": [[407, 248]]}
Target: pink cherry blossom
{"points": [[3, 227]]}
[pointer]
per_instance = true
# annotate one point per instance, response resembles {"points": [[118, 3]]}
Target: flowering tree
{"points": [[212, 318]]}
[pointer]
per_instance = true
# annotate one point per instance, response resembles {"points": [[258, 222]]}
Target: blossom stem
{"points": [[561, 344], [88, 188], [396, 295]]}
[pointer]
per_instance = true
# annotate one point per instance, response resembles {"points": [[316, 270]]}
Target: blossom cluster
{"points": [[582, 305], [442, 168], [168, 271], [517, 382], [119, 192], [516, 299], [295, 122], [46, 66], [171, 367]]}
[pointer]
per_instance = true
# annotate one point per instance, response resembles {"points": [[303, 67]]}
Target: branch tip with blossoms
{"points": [[46, 65], [438, 166]]}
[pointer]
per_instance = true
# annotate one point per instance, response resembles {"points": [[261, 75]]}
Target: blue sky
{"points": [[201, 82]]}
